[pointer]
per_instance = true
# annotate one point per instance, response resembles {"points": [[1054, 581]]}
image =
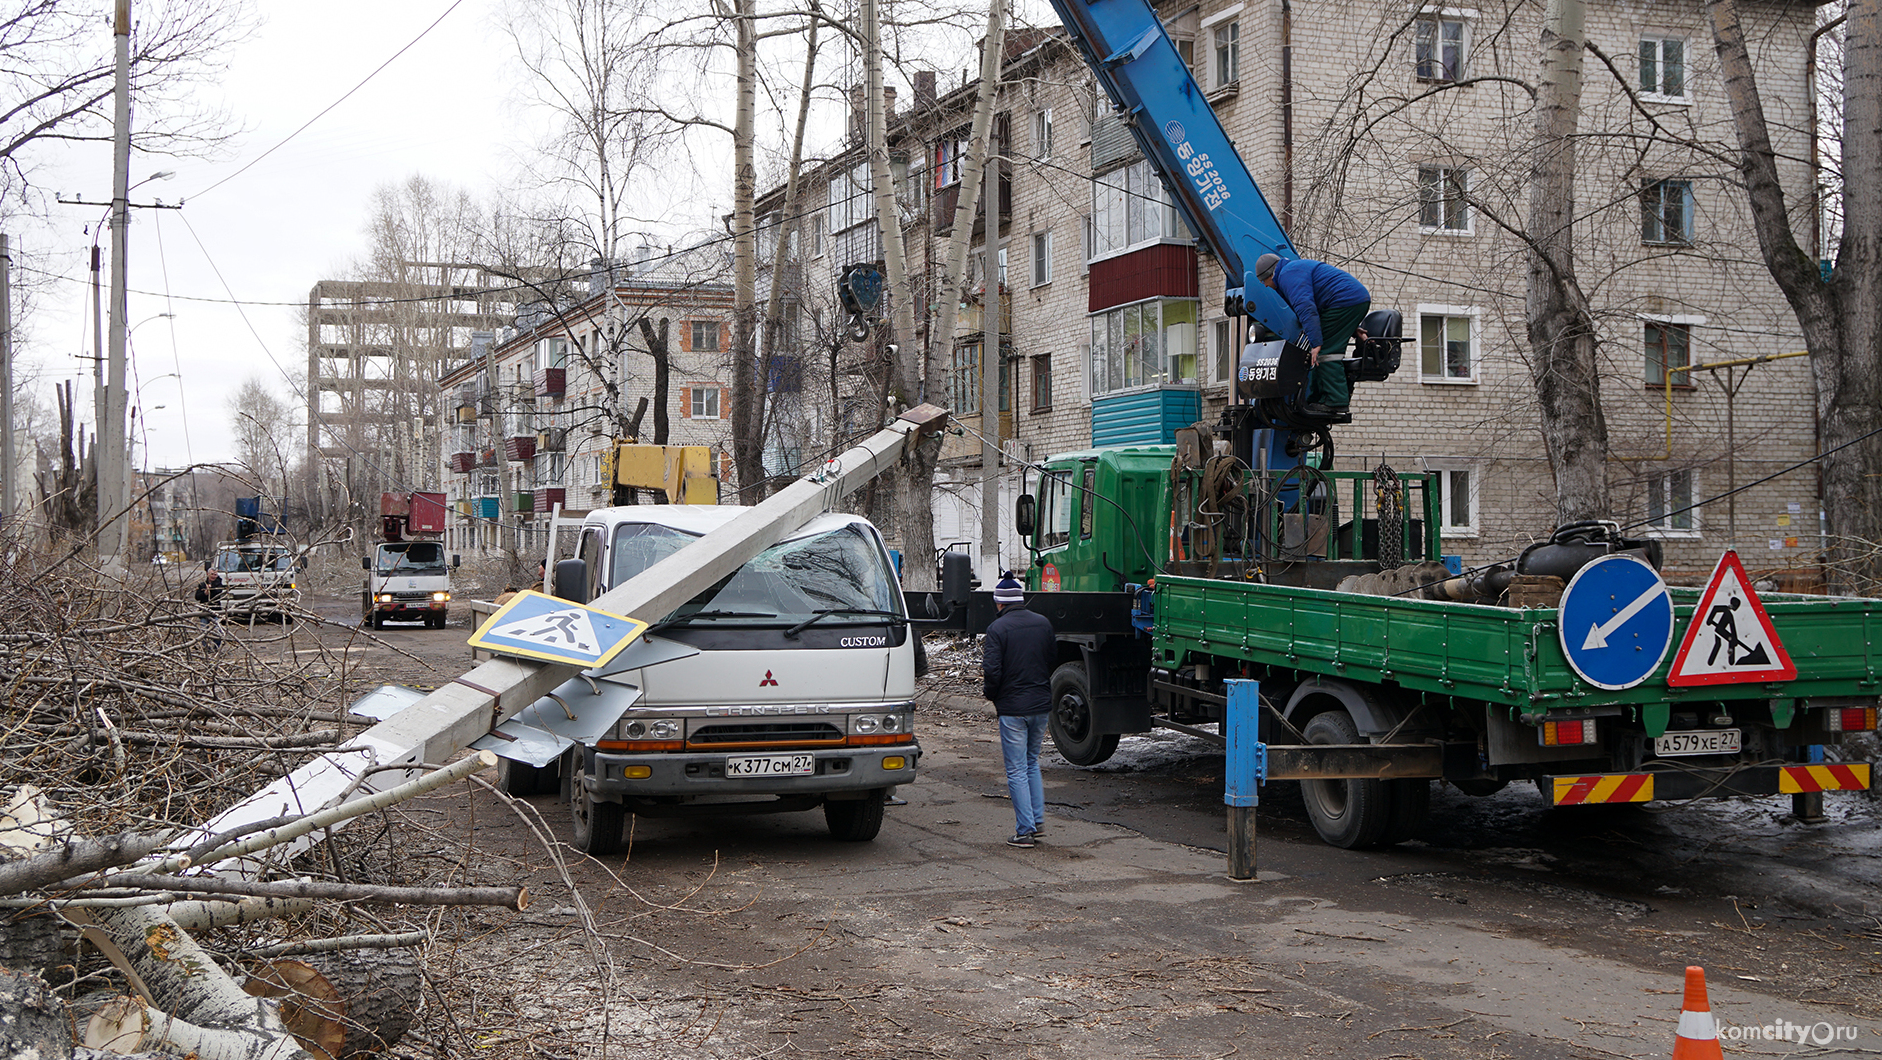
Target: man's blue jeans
{"points": [[1020, 740]]}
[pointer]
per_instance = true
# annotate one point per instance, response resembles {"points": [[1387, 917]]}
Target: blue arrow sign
{"points": [[1615, 621], [537, 626]]}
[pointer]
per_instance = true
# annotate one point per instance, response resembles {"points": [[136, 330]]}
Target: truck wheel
{"points": [[377, 620], [1408, 805], [855, 820], [1349, 814], [598, 825], [1073, 731]]}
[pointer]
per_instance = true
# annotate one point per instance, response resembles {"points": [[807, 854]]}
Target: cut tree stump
{"points": [[343, 1005]]}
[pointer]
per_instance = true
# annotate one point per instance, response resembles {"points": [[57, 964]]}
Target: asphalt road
{"points": [[1507, 930]]}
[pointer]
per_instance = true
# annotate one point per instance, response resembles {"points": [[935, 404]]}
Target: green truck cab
{"points": [[1225, 572]]}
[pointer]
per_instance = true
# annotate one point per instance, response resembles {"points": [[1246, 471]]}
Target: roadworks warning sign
{"points": [[1731, 639]]}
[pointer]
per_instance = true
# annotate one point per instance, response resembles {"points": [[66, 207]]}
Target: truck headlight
{"points": [[385, 598], [660, 729], [665, 730], [440, 597], [863, 724]]}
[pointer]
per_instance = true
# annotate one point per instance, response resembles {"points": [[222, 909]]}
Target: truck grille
{"points": [[411, 594], [764, 732]]}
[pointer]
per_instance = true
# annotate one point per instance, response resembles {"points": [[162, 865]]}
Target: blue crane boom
{"points": [[1125, 45]]}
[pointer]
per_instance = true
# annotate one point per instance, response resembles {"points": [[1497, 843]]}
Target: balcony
{"points": [[484, 507], [551, 440], [551, 382], [1143, 417], [487, 458], [462, 463], [525, 501], [547, 497], [521, 447]]}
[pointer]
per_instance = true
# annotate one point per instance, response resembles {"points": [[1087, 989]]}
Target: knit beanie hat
{"points": [[1264, 266], [1009, 590]]}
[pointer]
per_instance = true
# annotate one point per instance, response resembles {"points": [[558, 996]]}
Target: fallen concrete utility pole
{"points": [[449, 719]]}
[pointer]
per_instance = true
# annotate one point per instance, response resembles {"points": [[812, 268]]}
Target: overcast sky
{"points": [[293, 218]]}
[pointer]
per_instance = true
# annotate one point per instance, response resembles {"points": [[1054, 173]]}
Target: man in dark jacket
{"points": [[1331, 305], [1016, 673]]}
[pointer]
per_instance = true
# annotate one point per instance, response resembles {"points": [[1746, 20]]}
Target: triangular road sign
{"points": [[1731, 639]]}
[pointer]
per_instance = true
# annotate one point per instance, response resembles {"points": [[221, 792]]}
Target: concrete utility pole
{"points": [[8, 465], [113, 458], [990, 397]]}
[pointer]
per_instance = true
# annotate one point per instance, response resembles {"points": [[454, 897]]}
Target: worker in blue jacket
{"points": [[1331, 305]]}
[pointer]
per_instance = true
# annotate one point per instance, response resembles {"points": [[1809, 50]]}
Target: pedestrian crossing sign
{"points": [[1731, 639], [537, 626]]}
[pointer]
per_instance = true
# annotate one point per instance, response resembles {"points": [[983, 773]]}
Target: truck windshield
{"points": [[785, 584], [418, 557], [232, 561]]}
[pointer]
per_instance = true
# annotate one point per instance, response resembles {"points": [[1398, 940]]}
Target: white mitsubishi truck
{"points": [[786, 686]]}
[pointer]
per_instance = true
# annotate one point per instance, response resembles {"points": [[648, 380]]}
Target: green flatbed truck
{"points": [[1168, 570]]}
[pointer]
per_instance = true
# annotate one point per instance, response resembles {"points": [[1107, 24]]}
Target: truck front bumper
{"points": [[836, 771]]}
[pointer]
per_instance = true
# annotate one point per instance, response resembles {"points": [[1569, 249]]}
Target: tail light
{"points": [[1567, 733], [1849, 719]]}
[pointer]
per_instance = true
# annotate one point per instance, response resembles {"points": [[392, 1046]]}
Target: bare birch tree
{"points": [[1841, 315]]}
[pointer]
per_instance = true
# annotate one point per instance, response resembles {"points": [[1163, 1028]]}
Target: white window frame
{"points": [[1659, 40], [1166, 333], [1225, 55], [1661, 482], [1692, 321], [1446, 176], [1211, 80], [1436, 18], [1042, 133], [848, 198], [1108, 232], [1041, 258], [1447, 470], [1223, 357], [1688, 216], [552, 352], [705, 395], [708, 327], [1475, 315]]}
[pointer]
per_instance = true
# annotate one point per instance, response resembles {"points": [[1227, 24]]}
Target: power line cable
{"points": [[329, 107]]}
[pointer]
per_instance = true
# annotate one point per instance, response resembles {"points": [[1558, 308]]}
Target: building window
{"points": [[705, 336], [1447, 345], [1042, 134], [1443, 204], [964, 381], [949, 155], [552, 353], [1144, 344], [1440, 49], [1663, 67], [1226, 69], [1130, 208], [1668, 346], [1669, 500], [816, 236], [1666, 212], [1457, 499], [1041, 258], [849, 198], [1041, 382], [703, 401], [1222, 345]]}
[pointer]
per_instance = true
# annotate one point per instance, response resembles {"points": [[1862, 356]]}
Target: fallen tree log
{"points": [[509, 897]]}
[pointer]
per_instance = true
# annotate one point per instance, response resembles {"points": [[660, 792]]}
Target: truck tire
{"points": [[377, 620], [598, 825], [1073, 731], [855, 820], [1408, 805], [1349, 814]]}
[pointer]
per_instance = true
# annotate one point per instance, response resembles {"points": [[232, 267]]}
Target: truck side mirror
{"points": [[1025, 511], [957, 579], [571, 580], [365, 563], [456, 561]]}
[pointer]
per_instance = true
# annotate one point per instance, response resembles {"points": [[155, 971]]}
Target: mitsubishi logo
{"points": [[769, 680]]}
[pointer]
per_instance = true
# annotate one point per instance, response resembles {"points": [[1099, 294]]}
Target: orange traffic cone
{"points": [[1698, 1036]]}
